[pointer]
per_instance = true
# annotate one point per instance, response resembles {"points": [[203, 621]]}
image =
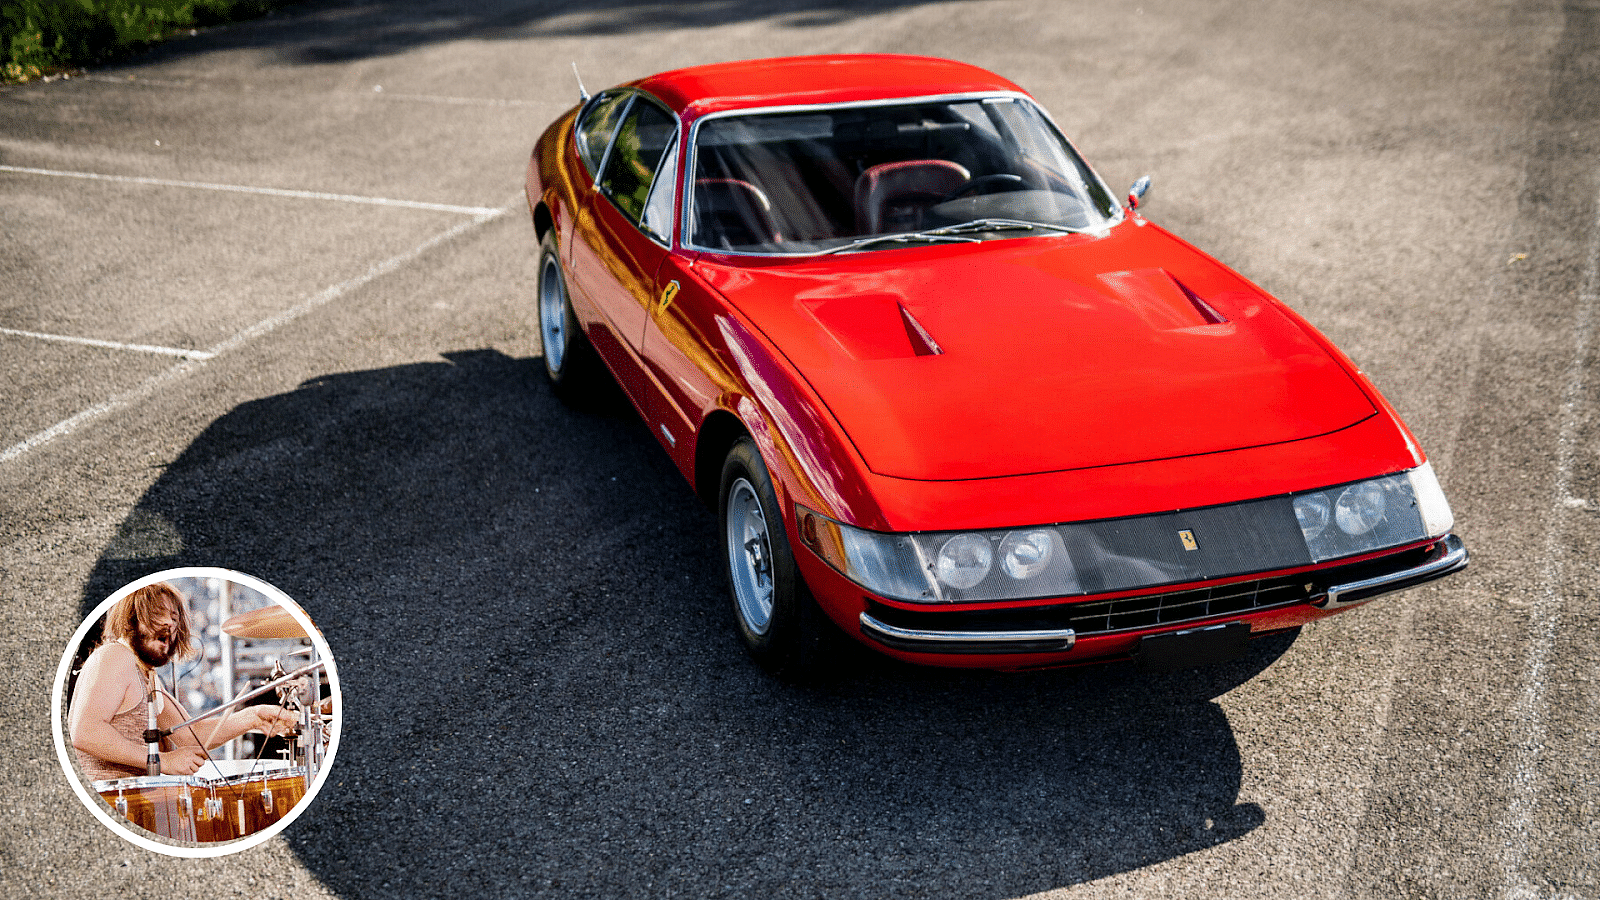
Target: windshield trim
{"points": [[692, 150]]}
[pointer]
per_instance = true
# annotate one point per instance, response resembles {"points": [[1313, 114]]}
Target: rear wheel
{"points": [[775, 615], [569, 362]]}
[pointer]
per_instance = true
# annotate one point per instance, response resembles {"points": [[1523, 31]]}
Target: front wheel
{"points": [[775, 615]]}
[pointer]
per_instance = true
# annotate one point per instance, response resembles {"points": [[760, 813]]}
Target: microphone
{"points": [[152, 734]]}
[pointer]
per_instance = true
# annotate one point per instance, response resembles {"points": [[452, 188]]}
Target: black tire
{"points": [[569, 361], [776, 617]]}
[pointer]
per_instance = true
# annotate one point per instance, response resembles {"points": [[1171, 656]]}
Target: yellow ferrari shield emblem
{"points": [[1187, 537], [667, 293]]}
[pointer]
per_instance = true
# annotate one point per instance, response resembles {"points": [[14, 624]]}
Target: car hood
{"points": [[1043, 354]]}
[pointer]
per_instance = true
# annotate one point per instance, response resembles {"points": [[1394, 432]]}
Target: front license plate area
{"points": [[1195, 647]]}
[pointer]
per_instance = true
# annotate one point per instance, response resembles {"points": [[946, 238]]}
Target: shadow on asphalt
{"points": [[544, 694], [329, 31]]}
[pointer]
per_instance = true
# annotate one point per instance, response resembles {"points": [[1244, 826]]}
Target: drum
{"points": [[202, 810], [234, 768], [254, 802], [163, 804]]}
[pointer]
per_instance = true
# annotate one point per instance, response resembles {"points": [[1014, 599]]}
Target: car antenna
{"points": [[583, 93]]}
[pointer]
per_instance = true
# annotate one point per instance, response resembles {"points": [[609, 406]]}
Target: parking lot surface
{"points": [[266, 303]]}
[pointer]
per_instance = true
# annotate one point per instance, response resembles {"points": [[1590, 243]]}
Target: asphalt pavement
{"points": [[266, 303]]}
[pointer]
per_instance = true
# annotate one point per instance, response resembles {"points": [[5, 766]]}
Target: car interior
{"points": [[764, 181]]}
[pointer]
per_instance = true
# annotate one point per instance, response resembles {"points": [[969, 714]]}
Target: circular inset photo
{"points": [[196, 711]]}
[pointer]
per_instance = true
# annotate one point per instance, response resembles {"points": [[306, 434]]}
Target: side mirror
{"points": [[1137, 192]]}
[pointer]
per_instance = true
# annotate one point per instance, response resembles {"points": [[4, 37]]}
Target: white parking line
{"points": [[379, 91], [259, 191], [1545, 614], [235, 341], [109, 345], [135, 80]]}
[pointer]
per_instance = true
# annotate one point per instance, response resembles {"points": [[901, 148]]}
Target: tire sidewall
{"points": [[550, 259], [776, 646]]}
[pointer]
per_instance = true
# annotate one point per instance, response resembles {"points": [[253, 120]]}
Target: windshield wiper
{"points": [[997, 224], [957, 232], [937, 234]]}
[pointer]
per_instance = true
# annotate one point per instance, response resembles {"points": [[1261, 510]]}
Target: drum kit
{"points": [[243, 796]]}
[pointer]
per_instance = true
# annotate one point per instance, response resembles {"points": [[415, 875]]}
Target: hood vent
{"points": [[1163, 302], [1211, 316], [871, 326], [921, 342]]}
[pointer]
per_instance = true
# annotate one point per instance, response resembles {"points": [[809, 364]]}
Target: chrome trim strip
{"points": [[634, 94], [1451, 556], [967, 641], [611, 140], [859, 104]]}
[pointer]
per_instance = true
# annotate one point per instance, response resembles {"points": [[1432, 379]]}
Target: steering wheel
{"points": [[988, 184]]}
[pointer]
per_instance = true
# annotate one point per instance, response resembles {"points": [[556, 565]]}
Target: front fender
{"points": [[811, 460]]}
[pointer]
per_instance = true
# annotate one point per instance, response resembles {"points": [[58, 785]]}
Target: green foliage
{"points": [[40, 36]]}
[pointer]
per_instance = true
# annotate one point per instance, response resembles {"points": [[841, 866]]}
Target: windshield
{"points": [[867, 177]]}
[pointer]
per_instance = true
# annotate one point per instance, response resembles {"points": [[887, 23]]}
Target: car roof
{"points": [[804, 80]]}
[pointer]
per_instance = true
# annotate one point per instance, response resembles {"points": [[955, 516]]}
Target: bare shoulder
{"points": [[111, 662], [109, 682], [114, 653]]}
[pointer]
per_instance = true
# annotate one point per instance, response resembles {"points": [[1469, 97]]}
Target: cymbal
{"points": [[266, 623]]}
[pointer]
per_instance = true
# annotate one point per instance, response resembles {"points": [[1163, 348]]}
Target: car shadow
{"points": [[543, 693]]}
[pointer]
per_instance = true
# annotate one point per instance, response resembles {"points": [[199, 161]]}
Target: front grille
{"points": [[1092, 616]]}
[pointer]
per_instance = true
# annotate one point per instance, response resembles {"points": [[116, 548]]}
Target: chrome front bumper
{"points": [[1051, 641], [1449, 555]]}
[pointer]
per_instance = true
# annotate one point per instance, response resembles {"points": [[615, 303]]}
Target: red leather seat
{"points": [[892, 197], [729, 213]]}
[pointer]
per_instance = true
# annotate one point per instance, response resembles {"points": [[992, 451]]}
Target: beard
{"points": [[151, 651]]}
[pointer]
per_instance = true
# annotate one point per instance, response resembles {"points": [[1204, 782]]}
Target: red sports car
{"points": [[945, 391]]}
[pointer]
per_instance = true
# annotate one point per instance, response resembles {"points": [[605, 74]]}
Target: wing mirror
{"points": [[1137, 192]]}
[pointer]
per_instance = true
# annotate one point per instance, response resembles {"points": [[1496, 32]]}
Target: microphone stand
{"points": [[271, 685], [152, 734], [313, 714]]}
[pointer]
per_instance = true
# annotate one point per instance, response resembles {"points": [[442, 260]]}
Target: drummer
{"points": [[109, 712]]}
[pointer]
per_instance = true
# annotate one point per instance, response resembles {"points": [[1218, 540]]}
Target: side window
{"points": [[595, 126], [630, 167], [658, 209]]}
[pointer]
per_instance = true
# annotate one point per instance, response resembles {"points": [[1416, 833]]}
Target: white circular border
{"points": [[122, 826]]}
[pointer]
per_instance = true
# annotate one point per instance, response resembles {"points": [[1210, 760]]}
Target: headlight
{"points": [[1311, 510], [1437, 520], [1025, 554], [945, 566], [885, 564], [963, 561], [1360, 508], [1137, 552], [1372, 515]]}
